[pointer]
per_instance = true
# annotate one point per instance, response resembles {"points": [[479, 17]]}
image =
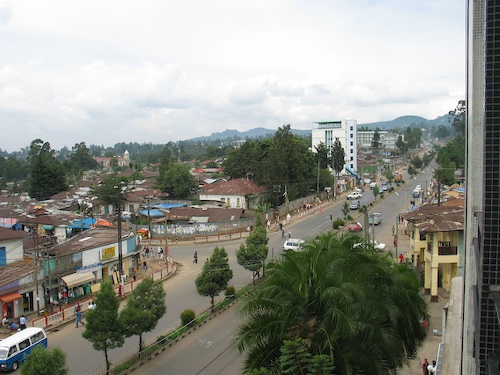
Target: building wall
{"points": [[345, 131], [232, 201], [14, 250], [482, 242]]}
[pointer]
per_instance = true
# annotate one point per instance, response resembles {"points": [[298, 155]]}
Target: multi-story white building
{"points": [[387, 139], [345, 130]]}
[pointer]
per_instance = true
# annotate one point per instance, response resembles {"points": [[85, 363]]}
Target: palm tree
{"points": [[354, 304]]}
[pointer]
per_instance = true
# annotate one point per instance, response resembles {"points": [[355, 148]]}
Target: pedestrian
{"points": [[5, 321], [13, 327], [425, 363], [195, 257], [22, 322], [92, 305], [393, 230], [145, 265], [431, 369], [282, 233], [78, 314], [401, 258], [281, 226], [289, 234]]}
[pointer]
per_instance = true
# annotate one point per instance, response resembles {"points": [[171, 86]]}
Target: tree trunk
{"points": [[107, 360]]}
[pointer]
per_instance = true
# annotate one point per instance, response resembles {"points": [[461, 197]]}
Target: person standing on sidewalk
{"points": [[22, 322]]}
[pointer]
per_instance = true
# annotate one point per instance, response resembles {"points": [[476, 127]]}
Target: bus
{"points": [[14, 348]]}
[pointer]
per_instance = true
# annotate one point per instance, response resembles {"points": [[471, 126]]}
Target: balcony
{"points": [[444, 248]]}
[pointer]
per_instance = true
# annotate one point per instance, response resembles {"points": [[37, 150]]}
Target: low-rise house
{"points": [[19, 288], [88, 258], [236, 193], [436, 244]]}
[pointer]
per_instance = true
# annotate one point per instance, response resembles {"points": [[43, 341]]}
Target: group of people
{"points": [[13, 326], [149, 253], [428, 368]]}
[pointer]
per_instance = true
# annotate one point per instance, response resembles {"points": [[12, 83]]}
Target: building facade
{"points": [[327, 132], [387, 139], [480, 346]]}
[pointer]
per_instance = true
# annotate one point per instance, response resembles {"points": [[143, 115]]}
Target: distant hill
{"points": [[400, 122]]}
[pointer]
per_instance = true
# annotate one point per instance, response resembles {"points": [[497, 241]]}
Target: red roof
{"points": [[238, 186]]}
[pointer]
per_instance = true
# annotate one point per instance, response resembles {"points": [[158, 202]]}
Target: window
{"points": [[228, 201], [223, 200], [36, 337], [24, 344], [12, 350]]}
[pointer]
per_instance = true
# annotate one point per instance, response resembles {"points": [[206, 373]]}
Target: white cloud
{"points": [[163, 70]]}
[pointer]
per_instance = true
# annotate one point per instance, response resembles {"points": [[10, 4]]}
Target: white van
{"points": [[14, 348], [293, 244]]}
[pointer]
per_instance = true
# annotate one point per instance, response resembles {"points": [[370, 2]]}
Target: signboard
{"points": [[89, 268], [108, 253]]}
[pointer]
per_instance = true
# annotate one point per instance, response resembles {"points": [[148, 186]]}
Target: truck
{"points": [[398, 177]]}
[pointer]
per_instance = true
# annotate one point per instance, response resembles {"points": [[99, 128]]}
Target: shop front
{"points": [[11, 305]]}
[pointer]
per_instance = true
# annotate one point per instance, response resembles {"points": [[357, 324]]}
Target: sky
{"points": [[155, 71]]}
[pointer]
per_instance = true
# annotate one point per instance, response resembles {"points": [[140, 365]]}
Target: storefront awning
{"points": [[6, 298], [77, 279], [47, 227]]}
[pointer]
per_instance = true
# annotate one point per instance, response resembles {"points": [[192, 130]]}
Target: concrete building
{"points": [[327, 132], [387, 139], [481, 307]]}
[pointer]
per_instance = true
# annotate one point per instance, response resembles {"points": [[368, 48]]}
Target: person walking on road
{"points": [[195, 257], [78, 313]]}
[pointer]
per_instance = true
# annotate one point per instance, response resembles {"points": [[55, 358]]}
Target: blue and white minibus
{"points": [[15, 347]]}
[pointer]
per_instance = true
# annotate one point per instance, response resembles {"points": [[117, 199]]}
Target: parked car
{"points": [[366, 181], [354, 205], [354, 195], [385, 187], [293, 244], [355, 227], [359, 190], [372, 185], [375, 218]]}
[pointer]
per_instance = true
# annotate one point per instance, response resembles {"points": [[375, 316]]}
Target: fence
{"points": [[68, 313]]}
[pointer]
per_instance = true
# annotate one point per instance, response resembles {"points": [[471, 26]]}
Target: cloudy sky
{"points": [[109, 71]]}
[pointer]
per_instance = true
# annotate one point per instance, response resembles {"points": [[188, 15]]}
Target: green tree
{"points": [[338, 156], [42, 361], [376, 190], [144, 308], [46, 173], [389, 175], [322, 155], [352, 304], [215, 275], [345, 210], [177, 181], [253, 253], [417, 162], [376, 139], [103, 328]]}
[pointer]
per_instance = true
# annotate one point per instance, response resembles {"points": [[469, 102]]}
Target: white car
{"points": [[377, 245], [293, 244], [354, 195], [372, 185]]}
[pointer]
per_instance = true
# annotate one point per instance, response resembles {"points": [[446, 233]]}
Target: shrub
{"points": [[230, 291], [337, 223], [187, 317]]}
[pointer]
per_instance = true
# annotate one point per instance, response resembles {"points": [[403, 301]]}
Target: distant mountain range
{"points": [[398, 123]]}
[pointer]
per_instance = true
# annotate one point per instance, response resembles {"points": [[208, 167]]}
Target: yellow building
{"points": [[436, 243]]}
